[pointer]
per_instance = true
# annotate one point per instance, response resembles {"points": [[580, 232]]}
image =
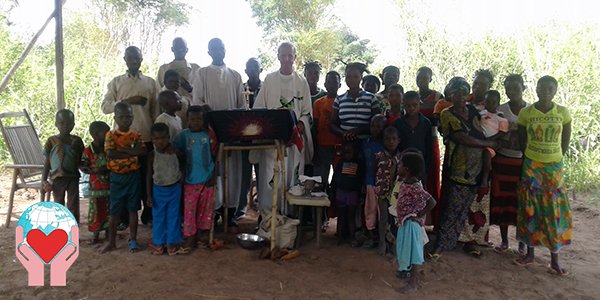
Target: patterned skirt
{"points": [[506, 173], [432, 184], [98, 210], [544, 215], [458, 199]]}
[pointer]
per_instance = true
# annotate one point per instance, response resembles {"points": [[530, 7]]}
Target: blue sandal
{"points": [[133, 246]]}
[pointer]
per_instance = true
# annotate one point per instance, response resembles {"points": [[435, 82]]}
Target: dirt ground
{"points": [[332, 272]]}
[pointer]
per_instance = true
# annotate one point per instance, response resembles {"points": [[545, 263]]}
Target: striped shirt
{"points": [[354, 113]]}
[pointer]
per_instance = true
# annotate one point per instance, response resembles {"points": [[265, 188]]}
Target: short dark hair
{"points": [[159, 128], [493, 93], [333, 73], [390, 68], [121, 106], [98, 126], [548, 78], [391, 130], [411, 95], [485, 73], [203, 110], [371, 78], [171, 74], [426, 70], [65, 111], [414, 162], [513, 77], [312, 64], [362, 68], [166, 94], [396, 86]]}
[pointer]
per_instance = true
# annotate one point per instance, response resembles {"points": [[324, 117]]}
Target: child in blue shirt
{"points": [[199, 149], [370, 147]]}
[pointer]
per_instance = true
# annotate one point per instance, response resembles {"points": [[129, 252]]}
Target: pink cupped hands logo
{"points": [[52, 249]]}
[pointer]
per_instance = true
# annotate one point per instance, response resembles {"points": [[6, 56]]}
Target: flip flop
{"points": [[517, 262], [501, 250], [133, 246], [553, 271], [183, 250], [403, 274], [434, 256], [156, 250]]}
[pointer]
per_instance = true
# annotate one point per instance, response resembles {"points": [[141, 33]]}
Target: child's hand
{"points": [[149, 201], [47, 186]]}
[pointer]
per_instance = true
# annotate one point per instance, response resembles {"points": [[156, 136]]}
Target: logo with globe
{"points": [[47, 234]]}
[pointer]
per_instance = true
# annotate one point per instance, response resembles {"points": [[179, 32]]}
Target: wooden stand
{"points": [[276, 145]]}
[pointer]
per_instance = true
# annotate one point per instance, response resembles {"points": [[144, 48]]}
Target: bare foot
{"points": [[93, 241], [109, 247], [522, 249], [411, 287]]}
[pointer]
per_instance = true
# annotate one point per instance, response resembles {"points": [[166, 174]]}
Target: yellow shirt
{"points": [[544, 132]]}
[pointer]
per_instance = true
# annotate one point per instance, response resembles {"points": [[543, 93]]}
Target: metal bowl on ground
{"points": [[250, 241]]}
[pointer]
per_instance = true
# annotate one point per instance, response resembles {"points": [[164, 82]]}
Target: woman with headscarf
{"points": [[463, 162]]}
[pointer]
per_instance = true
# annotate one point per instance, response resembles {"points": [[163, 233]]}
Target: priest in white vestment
{"points": [[284, 88], [221, 88]]}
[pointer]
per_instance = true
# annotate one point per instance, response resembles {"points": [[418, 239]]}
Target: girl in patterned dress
{"points": [[413, 205], [93, 162]]}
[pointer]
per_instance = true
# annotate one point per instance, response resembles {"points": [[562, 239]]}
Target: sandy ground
{"points": [[332, 272]]}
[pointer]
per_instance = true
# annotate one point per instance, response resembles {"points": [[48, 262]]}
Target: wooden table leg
{"points": [[299, 227], [319, 221]]}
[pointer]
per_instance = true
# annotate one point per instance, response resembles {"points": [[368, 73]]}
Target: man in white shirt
{"points": [[140, 92], [221, 88], [185, 69], [285, 88], [137, 90]]}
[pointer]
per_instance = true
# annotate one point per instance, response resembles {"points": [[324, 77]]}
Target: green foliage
{"points": [[317, 35], [567, 52]]}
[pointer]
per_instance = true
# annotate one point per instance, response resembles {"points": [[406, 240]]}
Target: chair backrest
{"points": [[22, 141]]}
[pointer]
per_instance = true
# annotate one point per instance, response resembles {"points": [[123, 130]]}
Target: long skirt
{"points": [[458, 199], [477, 224], [505, 176], [409, 245], [432, 184], [544, 215], [98, 211]]}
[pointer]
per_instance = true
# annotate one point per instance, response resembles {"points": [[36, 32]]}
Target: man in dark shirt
{"points": [[250, 90]]}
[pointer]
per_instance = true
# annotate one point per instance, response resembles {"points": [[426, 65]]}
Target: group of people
{"points": [[382, 146]]}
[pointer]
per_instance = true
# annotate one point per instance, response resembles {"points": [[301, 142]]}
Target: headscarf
{"points": [[456, 84]]}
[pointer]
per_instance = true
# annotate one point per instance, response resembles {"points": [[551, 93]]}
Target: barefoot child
{"points": [[347, 180], [63, 154], [123, 146], [544, 215], [164, 192], [93, 162], [413, 205], [385, 177], [170, 102], [198, 190]]}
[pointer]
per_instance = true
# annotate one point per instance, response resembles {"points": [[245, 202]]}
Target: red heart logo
{"points": [[47, 246]]}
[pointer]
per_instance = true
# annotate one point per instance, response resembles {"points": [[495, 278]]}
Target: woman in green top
{"points": [[544, 215]]}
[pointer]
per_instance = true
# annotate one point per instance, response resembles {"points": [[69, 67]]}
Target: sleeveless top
{"points": [[166, 169]]}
